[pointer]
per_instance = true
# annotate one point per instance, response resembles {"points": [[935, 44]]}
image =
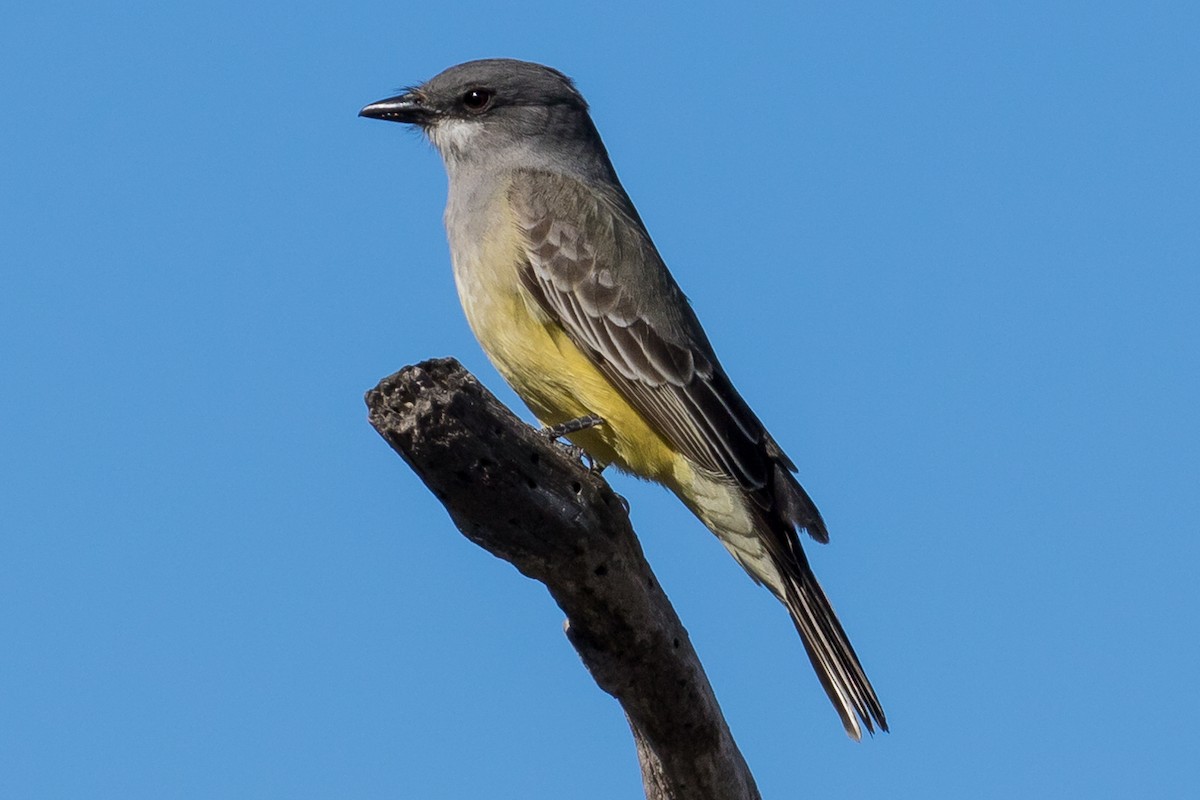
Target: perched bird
{"points": [[573, 304]]}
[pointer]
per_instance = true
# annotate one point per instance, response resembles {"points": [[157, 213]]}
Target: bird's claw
{"points": [[556, 432]]}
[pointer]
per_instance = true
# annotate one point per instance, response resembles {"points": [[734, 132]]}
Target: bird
{"points": [[571, 301]]}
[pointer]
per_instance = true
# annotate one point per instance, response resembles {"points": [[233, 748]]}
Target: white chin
{"points": [[452, 137]]}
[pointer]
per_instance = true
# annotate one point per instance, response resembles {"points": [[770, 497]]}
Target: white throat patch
{"points": [[453, 137]]}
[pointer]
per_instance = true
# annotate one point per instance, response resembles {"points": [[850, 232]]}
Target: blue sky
{"points": [[948, 251]]}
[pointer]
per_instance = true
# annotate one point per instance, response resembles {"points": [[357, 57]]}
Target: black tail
{"points": [[827, 645], [830, 650]]}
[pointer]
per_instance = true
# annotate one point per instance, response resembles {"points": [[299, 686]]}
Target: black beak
{"points": [[408, 107]]}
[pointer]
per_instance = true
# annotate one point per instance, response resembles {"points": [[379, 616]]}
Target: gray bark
{"points": [[530, 502]]}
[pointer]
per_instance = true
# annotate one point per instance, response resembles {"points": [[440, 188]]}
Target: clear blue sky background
{"points": [[949, 251]]}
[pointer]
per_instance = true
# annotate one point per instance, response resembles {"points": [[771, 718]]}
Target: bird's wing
{"points": [[593, 268]]}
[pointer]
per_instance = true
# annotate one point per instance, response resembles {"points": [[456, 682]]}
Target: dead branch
{"points": [[529, 502]]}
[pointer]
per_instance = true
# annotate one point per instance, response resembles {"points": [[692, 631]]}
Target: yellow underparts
{"points": [[559, 382], [535, 355]]}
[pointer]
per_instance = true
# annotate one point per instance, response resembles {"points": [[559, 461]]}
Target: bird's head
{"points": [[495, 109]]}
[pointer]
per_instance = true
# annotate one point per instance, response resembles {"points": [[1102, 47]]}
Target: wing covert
{"points": [[592, 266]]}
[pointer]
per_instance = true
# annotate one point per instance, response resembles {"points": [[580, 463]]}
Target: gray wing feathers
{"points": [[595, 269]]}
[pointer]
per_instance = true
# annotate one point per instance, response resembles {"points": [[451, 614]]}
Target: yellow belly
{"points": [[559, 383]]}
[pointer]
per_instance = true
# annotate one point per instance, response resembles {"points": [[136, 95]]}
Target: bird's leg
{"points": [[572, 426], [554, 432]]}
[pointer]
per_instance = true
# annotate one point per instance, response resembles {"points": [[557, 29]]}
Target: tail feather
{"points": [[794, 505], [761, 530], [828, 647], [833, 658]]}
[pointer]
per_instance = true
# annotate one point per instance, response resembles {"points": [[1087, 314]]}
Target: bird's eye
{"points": [[478, 100]]}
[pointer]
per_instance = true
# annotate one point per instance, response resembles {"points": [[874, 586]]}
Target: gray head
{"points": [[500, 112]]}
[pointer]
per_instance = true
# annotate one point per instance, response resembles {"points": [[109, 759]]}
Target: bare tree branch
{"points": [[526, 500]]}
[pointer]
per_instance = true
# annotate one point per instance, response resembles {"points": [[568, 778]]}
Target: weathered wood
{"points": [[529, 502]]}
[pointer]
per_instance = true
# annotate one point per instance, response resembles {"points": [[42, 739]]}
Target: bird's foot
{"points": [[571, 426], [555, 432]]}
